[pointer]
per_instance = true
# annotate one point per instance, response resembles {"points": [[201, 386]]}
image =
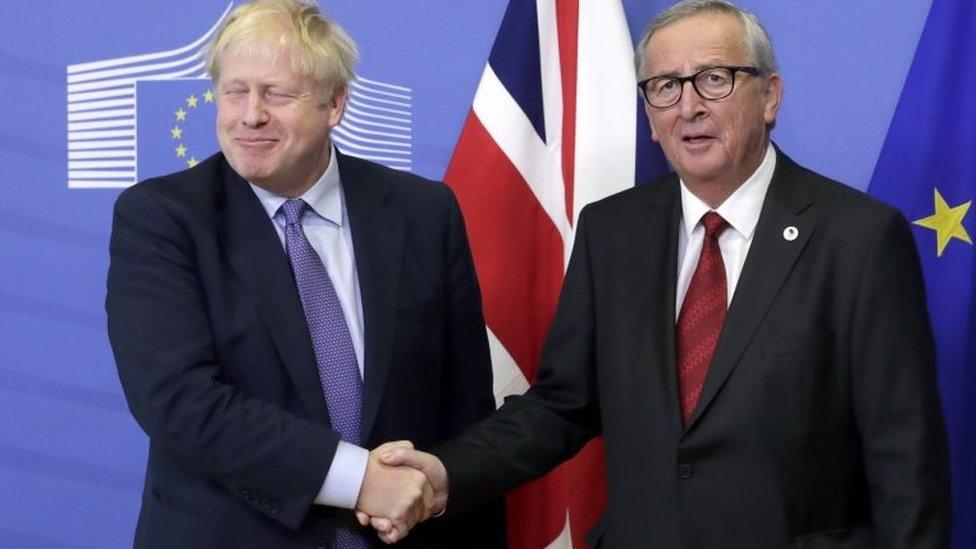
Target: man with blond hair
{"points": [[279, 308], [750, 338]]}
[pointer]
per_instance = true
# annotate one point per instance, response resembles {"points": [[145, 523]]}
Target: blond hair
{"points": [[320, 48]]}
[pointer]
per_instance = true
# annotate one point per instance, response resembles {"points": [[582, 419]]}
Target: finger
{"points": [[388, 446], [428, 502], [362, 517], [404, 456], [381, 525], [400, 528], [393, 536], [419, 502]]}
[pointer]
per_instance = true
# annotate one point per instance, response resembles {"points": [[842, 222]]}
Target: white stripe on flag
{"points": [[507, 377], [514, 134], [551, 78], [565, 538], [606, 104]]}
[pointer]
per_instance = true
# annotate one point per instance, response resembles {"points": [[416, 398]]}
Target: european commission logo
{"points": [[141, 116]]}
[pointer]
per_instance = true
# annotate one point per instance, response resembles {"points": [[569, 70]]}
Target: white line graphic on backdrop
{"points": [[102, 109]]}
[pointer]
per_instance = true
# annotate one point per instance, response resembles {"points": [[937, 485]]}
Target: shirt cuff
{"points": [[345, 477]]}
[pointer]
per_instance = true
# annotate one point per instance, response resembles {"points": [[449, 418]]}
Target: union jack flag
{"points": [[552, 128]]}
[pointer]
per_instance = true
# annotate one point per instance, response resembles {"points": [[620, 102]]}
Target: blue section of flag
{"points": [[515, 60], [931, 147], [164, 143]]}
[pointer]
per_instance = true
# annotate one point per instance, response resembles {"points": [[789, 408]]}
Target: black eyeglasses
{"points": [[713, 83]]}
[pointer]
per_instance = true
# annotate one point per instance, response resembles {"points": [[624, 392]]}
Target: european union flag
{"points": [[928, 169], [174, 124]]}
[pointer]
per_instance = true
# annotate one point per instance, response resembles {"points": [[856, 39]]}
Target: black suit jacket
{"points": [[819, 423], [217, 364]]}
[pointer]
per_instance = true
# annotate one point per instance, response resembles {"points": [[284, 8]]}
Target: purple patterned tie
{"points": [[334, 352]]}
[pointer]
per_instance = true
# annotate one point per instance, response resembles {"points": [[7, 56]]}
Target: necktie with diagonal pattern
{"points": [[701, 318]]}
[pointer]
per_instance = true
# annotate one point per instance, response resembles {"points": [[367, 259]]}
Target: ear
{"points": [[338, 105], [772, 98], [648, 110]]}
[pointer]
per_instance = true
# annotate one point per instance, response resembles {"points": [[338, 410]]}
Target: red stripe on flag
{"points": [[567, 24], [518, 253], [537, 510]]}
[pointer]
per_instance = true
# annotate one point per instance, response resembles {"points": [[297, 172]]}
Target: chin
{"points": [[249, 167]]}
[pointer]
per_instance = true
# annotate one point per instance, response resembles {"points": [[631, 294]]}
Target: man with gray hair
{"points": [[280, 308], [750, 338]]}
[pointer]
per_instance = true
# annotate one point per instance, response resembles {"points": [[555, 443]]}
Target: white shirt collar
{"points": [[741, 209], [324, 197]]}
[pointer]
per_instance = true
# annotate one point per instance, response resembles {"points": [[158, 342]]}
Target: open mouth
{"points": [[693, 139]]}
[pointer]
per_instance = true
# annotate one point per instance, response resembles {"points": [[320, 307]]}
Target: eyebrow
{"points": [[671, 74], [696, 69]]}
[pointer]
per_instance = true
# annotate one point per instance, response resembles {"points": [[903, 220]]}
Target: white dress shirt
{"points": [[741, 210], [326, 225]]}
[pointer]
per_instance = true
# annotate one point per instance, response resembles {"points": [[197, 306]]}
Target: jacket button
{"points": [[685, 471]]}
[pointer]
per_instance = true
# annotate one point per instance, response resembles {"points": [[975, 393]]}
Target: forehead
{"points": [[260, 62], [696, 41]]}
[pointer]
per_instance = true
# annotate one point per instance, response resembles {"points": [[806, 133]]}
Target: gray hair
{"points": [[755, 36]]}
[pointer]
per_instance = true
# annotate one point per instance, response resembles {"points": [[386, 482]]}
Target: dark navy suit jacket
{"points": [[217, 365]]}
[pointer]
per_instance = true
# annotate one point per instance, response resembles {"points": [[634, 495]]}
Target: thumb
{"points": [[408, 457], [388, 446], [362, 517]]}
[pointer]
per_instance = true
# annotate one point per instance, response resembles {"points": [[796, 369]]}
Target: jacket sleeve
{"points": [[164, 348], [532, 433], [468, 373], [896, 403]]}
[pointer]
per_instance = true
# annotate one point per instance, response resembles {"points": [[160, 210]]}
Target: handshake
{"points": [[401, 488]]}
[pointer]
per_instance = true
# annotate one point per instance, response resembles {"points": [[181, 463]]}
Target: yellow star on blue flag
{"points": [[175, 124], [932, 137], [946, 222]]}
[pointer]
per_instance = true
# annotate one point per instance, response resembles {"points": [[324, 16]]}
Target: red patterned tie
{"points": [[701, 317]]}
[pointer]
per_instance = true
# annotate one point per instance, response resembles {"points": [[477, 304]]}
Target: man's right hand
{"points": [[396, 497], [428, 464], [402, 456]]}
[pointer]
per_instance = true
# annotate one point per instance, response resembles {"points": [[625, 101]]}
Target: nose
{"points": [[691, 104], [255, 114]]}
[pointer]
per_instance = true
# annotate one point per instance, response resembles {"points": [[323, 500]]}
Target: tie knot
{"points": [[714, 224], [293, 209]]}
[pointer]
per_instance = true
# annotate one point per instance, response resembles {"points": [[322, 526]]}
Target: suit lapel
{"points": [[257, 256], [769, 262], [377, 233], [662, 225]]}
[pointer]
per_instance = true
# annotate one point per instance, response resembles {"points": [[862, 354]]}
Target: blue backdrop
{"points": [[71, 457]]}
